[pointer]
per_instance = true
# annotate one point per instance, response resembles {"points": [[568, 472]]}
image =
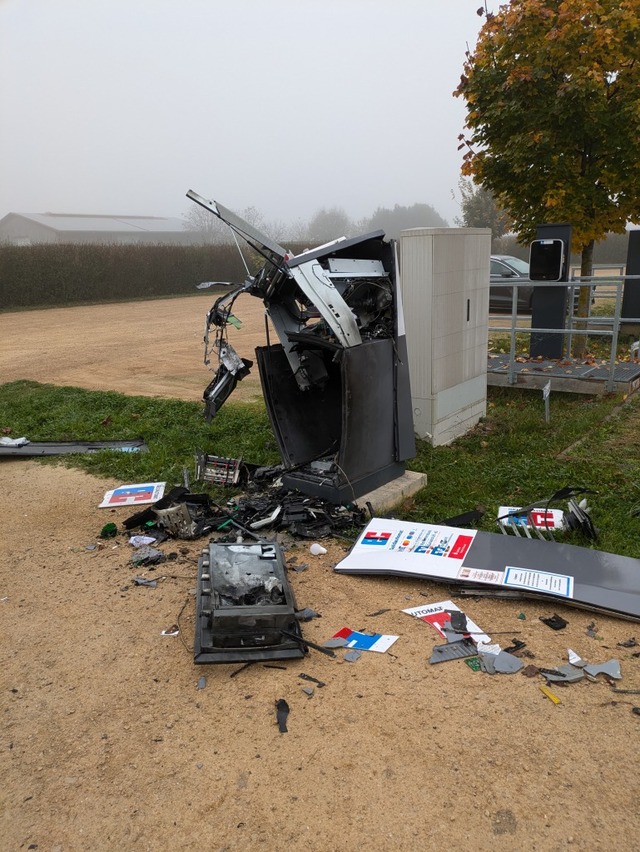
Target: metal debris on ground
{"points": [[282, 714], [555, 622], [217, 469], [318, 683]]}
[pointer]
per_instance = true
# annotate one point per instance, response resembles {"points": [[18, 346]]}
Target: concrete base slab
{"points": [[389, 496]]}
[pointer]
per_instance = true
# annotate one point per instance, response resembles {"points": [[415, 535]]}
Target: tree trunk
{"points": [[581, 341]]}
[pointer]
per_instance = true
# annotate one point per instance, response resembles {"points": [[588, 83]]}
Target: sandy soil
{"points": [[107, 743]]}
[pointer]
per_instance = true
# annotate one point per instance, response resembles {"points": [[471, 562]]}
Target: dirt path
{"points": [[107, 744]]}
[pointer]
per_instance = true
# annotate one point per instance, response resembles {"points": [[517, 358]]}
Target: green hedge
{"points": [[47, 275]]}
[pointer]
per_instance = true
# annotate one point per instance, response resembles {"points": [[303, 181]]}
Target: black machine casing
{"points": [[243, 601]]}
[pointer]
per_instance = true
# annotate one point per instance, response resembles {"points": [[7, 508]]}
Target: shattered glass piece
{"points": [[453, 651], [575, 659], [611, 668], [352, 655], [506, 663]]}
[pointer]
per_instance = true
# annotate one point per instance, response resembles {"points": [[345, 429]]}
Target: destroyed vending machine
{"points": [[336, 384]]}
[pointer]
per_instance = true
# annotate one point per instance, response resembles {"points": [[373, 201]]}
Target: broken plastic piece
{"points": [[317, 549], [550, 695], [611, 668], [530, 670], [307, 614], [282, 713], [555, 622], [109, 531], [318, 683], [453, 651], [591, 630], [474, 664], [565, 674], [352, 655], [202, 682], [506, 663], [308, 690], [142, 581], [217, 469], [629, 643], [174, 630], [575, 659], [147, 556]]}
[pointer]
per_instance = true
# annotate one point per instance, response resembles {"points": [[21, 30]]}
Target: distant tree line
{"points": [[327, 223]]}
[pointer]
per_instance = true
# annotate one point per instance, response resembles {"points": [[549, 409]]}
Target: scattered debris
{"points": [[439, 614], [241, 669], [216, 469], [453, 651], [202, 682], [591, 630], [611, 669], [363, 641], [174, 630], [575, 659], [352, 655], [141, 540], [318, 683], [307, 614], [143, 581], [564, 674], [133, 495], [629, 643], [530, 670], [308, 690], [555, 622], [317, 549], [377, 612], [26, 448], [282, 714], [550, 695], [147, 556], [109, 531]]}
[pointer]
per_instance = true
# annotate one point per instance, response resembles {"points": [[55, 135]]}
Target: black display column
{"points": [[549, 304]]}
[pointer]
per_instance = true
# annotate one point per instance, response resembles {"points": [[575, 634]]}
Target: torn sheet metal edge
{"points": [[601, 581], [57, 448]]}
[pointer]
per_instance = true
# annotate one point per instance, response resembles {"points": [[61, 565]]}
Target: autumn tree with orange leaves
{"points": [[552, 91]]}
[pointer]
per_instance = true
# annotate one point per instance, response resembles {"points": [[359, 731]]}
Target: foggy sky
{"points": [[121, 106]]}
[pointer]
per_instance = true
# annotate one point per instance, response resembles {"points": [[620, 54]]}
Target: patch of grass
{"points": [[172, 429], [513, 457]]}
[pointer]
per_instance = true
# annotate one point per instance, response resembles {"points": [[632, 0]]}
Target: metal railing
{"points": [[603, 326]]}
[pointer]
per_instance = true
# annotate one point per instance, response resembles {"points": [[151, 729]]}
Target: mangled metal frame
{"points": [[336, 385]]}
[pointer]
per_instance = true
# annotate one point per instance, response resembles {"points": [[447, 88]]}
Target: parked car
{"points": [[506, 269]]}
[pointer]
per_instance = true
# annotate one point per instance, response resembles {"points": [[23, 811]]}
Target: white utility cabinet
{"points": [[444, 275]]}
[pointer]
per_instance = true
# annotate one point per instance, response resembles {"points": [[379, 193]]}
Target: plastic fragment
{"points": [[282, 713], [629, 643], [307, 614], [611, 668], [555, 622], [142, 581], [202, 682], [531, 670], [336, 642], [318, 683], [550, 695], [506, 663], [565, 674], [317, 549], [308, 690], [109, 531], [575, 659], [453, 651], [352, 655]]}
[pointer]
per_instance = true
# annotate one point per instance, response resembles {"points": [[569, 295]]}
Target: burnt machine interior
{"points": [[243, 605], [336, 384]]}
